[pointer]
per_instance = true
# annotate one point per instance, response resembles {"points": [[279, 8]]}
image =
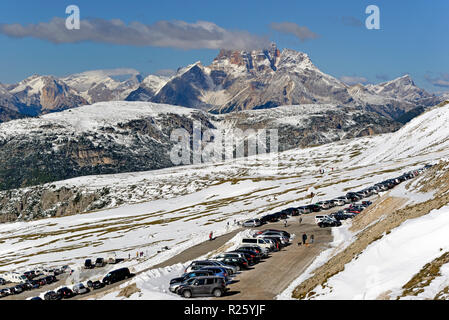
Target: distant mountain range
{"points": [[235, 80]]}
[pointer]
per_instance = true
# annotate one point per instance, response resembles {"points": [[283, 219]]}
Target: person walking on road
{"points": [[312, 238], [300, 220], [304, 238], [285, 223], [211, 236]]}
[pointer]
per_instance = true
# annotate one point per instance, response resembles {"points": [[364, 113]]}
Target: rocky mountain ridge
{"points": [[235, 80]]}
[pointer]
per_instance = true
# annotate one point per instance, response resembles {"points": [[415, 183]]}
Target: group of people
{"points": [[304, 239], [139, 254]]}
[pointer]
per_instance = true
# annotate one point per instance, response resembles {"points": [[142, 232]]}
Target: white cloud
{"points": [[351, 80], [302, 33], [172, 34]]}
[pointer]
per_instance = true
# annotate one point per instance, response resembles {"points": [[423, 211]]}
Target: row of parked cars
{"points": [[80, 288], [37, 278], [211, 277], [334, 219], [28, 285], [29, 280], [349, 198]]}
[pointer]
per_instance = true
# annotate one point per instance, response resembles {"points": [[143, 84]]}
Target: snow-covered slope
{"points": [[116, 137], [104, 85], [185, 203], [424, 136]]}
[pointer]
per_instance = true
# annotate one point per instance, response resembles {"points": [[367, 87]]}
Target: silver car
{"points": [[80, 289], [252, 223]]}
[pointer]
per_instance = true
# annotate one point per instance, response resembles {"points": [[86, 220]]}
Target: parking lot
{"points": [[264, 279]]}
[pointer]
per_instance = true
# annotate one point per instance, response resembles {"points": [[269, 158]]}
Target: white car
{"points": [[339, 202], [256, 241], [324, 205]]}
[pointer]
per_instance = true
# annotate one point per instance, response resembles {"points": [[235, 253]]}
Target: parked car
{"points": [[8, 291], [51, 295], [205, 263], [252, 223], [218, 271], [99, 262], [27, 285], [229, 255], [88, 264], [292, 211], [320, 218], [271, 218], [65, 293], [324, 205], [304, 210], [263, 251], [2, 281], [252, 260], [339, 202], [80, 289], [329, 223], [254, 256], [257, 241], [282, 215], [58, 271], [314, 208], [282, 232], [203, 286], [17, 289], [97, 285], [29, 274], [176, 282], [341, 215], [265, 218], [239, 263], [36, 298], [50, 279], [117, 275]]}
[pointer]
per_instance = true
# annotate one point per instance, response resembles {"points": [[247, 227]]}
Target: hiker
{"points": [[312, 238], [304, 238], [210, 235]]}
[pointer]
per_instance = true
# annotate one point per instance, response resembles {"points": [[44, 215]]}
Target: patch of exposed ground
{"points": [[424, 277], [380, 207], [128, 291]]}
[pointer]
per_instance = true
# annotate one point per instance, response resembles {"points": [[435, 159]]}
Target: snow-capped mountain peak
{"points": [[104, 85]]}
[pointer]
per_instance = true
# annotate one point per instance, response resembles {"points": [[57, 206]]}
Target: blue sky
{"points": [[412, 38]]}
